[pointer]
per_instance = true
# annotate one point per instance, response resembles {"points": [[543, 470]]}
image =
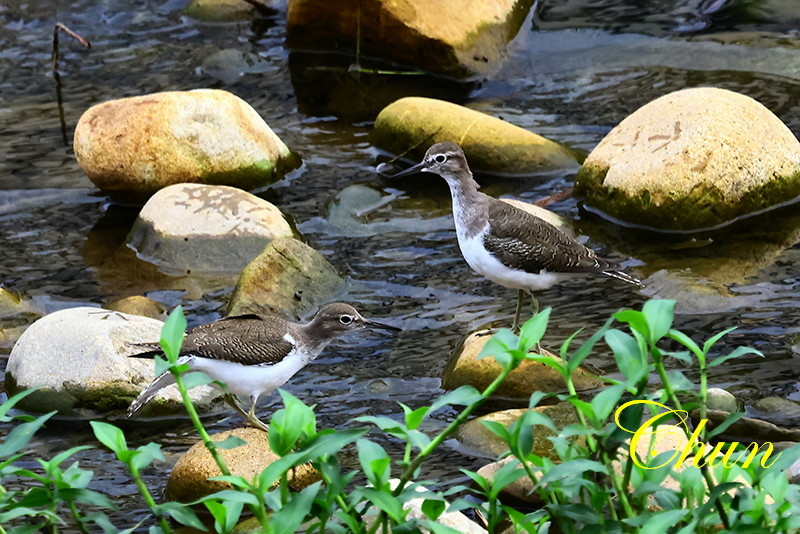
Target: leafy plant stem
{"points": [[148, 498]]}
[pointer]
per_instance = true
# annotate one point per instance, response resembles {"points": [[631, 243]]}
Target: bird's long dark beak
{"points": [[375, 324], [419, 167]]}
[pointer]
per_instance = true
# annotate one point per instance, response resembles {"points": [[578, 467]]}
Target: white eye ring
{"points": [[346, 319], [440, 158]]}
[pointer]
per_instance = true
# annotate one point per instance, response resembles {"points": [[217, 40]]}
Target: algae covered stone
{"points": [[134, 146], [692, 159], [288, 277], [78, 358], [450, 37], [188, 480], [465, 368], [195, 228], [491, 145]]}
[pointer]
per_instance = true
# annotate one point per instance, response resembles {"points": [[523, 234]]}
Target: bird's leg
{"points": [[535, 310], [234, 403], [251, 416], [515, 326]]}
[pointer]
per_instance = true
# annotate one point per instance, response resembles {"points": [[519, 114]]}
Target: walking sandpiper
{"points": [[255, 354], [507, 245]]}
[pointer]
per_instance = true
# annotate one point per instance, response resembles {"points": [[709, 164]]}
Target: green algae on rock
{"points": [[691, 160], [288, 277], [492, 145], [132, 147]]}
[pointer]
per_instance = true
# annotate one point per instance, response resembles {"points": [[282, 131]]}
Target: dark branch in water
{"points": [[57, 77]]}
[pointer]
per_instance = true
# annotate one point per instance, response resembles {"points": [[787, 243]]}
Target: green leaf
{"points": [[533, 330], [713, 340], [6, 406], [172, 334], [20, 435], [723, 426], [147, 453], [229, 495], [414, 417], [110, 436], [661, 522], [739, 351], [226, 514], [659, 315], [630, 361], [374, 461], [385, 501], [636, 320], [604, 402], [181, 513], [292, 514], [578, 357], [499, 347], [498, 429], [231, 442], [686, 341], [462, 396], [433, 508], [195, 379]]}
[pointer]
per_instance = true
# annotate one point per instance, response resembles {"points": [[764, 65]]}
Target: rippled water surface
{"points": [[576, 69]]}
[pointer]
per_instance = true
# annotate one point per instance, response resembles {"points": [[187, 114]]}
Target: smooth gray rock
{"points": [[204, 229], [78, 359]]}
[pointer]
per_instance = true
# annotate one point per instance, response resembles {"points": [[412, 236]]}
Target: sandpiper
{"points": [[255, 354], [507, 245]]}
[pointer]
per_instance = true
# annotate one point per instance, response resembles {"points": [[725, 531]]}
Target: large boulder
{"points": [[288, 277], [195, 228], [134, 146], [412, 124], [458, 39], [693, 159], [464, 368], [188, 480], [78, 358]]}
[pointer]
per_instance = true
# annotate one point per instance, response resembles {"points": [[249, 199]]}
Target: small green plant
{"points": [[594, 483]]}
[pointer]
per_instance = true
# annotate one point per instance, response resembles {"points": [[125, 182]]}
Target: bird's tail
{"points": [[149, 350], [150, 391], [625, 277]]}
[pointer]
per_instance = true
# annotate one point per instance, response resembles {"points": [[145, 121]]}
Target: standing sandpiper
{"points": [[505, 244], [255, 354]]}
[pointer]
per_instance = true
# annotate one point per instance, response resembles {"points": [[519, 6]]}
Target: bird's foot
{"points": [[255, 422]]}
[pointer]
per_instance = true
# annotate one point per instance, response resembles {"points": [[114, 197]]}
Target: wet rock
{"points": [[221, 10], [194, 228], [464, 368], [777, 410], [471, 42], [12, 304], [132, 147], [491, 145], [720, 399], [188, 480], [480, 441], [693, 159], [230, 64], [289, 277], [78, 359], [139, 305], [748, 429]]}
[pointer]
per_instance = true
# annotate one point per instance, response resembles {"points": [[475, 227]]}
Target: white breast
{"points": [[252, 380]]}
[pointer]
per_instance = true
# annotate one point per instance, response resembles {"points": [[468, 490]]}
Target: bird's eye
{"points": [[440, 158], [345, 319]]}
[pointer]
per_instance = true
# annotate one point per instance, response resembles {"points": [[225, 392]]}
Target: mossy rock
{"points": [[692, 159], [491, 145]]}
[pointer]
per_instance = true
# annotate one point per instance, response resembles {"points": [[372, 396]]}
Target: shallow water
{"points": [[576, 69]]}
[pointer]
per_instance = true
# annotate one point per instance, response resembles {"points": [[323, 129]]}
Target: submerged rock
{"points": [[139, 305], [457, 39], [465, 368], [188, 480], [288, 277], [78, 359], [491, 145], [480, 441], [194, 228], [221, 10], [134, 146], [693, 159]]}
